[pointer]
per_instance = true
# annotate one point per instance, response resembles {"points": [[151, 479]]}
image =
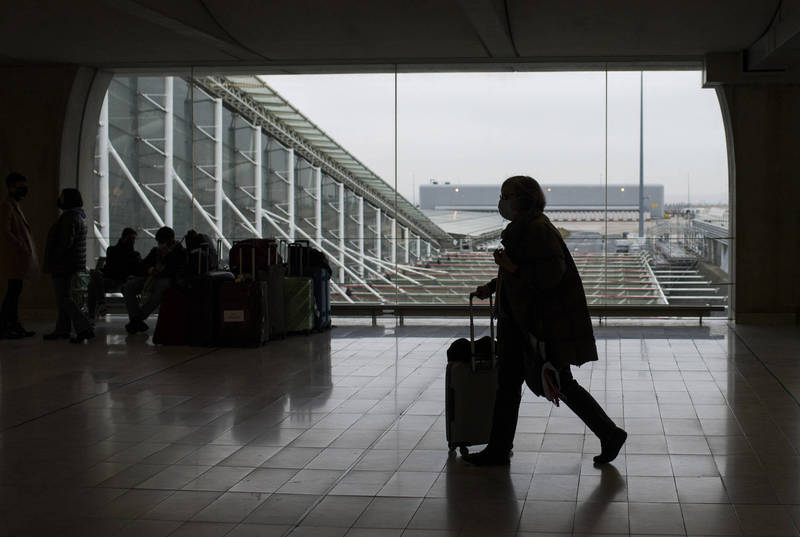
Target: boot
{"points": [[592, 414], [488, 457]]}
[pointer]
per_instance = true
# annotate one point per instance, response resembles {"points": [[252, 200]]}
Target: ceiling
{"points": [[319, 35]]}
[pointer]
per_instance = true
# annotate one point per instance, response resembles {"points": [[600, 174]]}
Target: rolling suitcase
{"points": [[300, 304], [243, 311], [322, 297], [276, 276], [264, 250], [173, 315], [203, 301], [470, 388], [298, 254]]}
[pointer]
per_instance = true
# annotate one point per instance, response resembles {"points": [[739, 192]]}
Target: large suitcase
{"points": [[173, 313], [300, 304], [265, 252], [470, 389], [322, 297], [202, 296], [298, 254], [243, 311], [276, 275]]}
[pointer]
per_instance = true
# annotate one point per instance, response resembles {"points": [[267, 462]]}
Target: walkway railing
{"points": [[401, 311]]}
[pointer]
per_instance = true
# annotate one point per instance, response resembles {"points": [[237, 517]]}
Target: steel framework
{"points": [[234, 187]]}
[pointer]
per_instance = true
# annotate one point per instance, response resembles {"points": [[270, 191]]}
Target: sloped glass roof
{"points": [[266, 104]]}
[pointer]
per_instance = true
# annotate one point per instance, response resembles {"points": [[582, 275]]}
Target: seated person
{"points": [[202, 252], [163, 266], [122, 261]]}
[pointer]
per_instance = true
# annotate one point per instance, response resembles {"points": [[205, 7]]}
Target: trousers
{"points": [[9, 315], [512, 343], [69, 314], [134, 287]]}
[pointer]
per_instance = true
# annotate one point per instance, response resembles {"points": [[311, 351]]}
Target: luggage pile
{"points": [[272, 289]]}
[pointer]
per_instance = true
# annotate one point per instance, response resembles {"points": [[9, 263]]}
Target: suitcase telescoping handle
{"points": [[472, 331], [252, 259], [297, 247], [200, 259]]}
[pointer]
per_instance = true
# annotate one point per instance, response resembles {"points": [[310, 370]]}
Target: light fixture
{"points": [[456, 190], [622, 189], [549, 189]]}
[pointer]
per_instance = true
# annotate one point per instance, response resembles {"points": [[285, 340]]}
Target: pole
{"points": [[641, 153], [168, 152], [361, 236], [218, 166], [258, 192], [104, 202], [341, 231], [318, 202], [290, 196]]}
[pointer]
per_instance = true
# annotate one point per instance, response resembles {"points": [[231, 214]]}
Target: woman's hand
{"points": [[482, 292], [502, 259]]}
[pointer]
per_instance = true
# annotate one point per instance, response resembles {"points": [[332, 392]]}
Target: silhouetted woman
{"points": [[64, 257], [539, 292]]}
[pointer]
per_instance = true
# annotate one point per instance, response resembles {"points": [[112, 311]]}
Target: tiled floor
{"points": [[343, 434]]}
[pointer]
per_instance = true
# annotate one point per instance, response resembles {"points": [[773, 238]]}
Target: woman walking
{"points": [[64, 257], [539, 294]]}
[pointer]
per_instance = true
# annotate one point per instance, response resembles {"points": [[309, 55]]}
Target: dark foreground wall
{"points": [[42, 137]]}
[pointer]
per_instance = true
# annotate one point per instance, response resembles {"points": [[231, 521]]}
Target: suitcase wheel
{"points": [[463, 450]]}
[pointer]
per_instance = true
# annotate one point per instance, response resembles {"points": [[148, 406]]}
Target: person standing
{"points": [[122, 261], [64, 257], [539, 294], [17, 255]]}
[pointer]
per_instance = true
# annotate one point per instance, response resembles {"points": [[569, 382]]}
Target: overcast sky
{"points": [[481, 128]]}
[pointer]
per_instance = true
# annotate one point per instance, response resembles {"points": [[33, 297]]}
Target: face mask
{"points": [[506, 211], [20, 192]]}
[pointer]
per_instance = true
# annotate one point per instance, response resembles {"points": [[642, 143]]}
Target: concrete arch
{"points": [[762, 130]]}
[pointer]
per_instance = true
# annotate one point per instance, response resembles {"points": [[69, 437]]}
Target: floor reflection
{"points": [[343, 434]]}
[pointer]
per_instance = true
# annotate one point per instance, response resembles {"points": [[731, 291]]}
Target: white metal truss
{"points": [[378, 237], [361, 235], [103, 227], [352, 257], [341, 231], [218, 191], [168, 151]]}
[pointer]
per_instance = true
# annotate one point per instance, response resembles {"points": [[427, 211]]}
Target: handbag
{"points": [[540, 375]]}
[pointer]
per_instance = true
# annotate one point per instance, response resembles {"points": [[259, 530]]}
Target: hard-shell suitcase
{"points": [[203, 293], [243, 311], [171, 326], [276, 275], [298, 254], [300, 305], [264, 250], [322, 297], [470, 389]]}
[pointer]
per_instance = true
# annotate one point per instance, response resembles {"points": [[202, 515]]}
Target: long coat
{"points": [[65, 251], [17, 252], [545, 295]]}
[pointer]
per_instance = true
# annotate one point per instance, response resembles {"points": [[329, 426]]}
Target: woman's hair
{"points": [[528, 192], [72, 198]]}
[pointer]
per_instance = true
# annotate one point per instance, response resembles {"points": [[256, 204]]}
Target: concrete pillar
{"points": [[762, 124]]}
